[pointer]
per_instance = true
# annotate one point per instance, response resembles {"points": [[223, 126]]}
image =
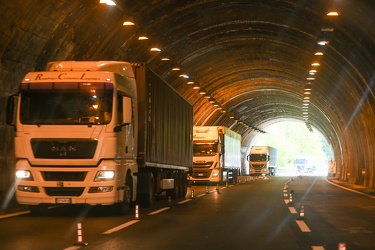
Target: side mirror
{"points": [[127, 110], [126, 113], [11, 104]]}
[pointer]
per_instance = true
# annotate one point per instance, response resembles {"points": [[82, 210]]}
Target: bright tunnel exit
{"points": [[299, 151]]}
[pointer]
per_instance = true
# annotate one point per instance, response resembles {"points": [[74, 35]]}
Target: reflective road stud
{"points": [[80, 236], [302, 212], [342, 246], [136, 212]]}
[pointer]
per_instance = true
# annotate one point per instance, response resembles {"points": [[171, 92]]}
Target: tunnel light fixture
{"points": [[202, 92], [128, 23], [315, 64], [310, 78], [176, 69], [318, 53], [142, 38], [155, 49], [332, 13], [184, 76], [108, 2], [195, 86], [307, 92], [165, 58], [190, 83], [323, 42]]}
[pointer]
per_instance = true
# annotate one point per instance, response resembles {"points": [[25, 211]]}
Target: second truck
{"points": [[99, 133], [217, 155], [262, 160]]}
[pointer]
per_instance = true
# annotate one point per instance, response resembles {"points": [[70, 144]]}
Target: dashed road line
{"points": [[159, 211], [184, 201], [317, 248], [122, 226], [292, 210], [302, 225]]}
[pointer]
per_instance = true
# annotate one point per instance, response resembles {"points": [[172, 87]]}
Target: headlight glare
{"points": [[24, 175], [105, 175]]}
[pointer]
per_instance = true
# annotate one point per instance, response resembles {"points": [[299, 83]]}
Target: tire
{"points": [[148, 199], [123, 207], [183, 185]]}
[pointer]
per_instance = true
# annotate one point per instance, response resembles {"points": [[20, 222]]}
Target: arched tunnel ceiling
{"points": [[252, 57]]}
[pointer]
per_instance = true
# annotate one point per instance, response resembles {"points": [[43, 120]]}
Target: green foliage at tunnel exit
{"points": [[292, 139]]}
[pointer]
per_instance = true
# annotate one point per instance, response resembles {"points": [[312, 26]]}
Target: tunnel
{"points": [[243, 64]]}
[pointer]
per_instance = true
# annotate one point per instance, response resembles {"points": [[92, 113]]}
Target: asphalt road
{"points": [[260, 214]]}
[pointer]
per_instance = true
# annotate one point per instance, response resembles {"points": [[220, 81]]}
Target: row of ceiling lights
{"points": [[322, 40], [142, 37]]}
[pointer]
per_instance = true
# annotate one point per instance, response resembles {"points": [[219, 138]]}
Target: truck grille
{"points": [[63, 148], [64, 176], [257, 166], [62, 191], [201, 169]]}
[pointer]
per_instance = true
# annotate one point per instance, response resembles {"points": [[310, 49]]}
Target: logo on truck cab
{"points": [[65, 76]]}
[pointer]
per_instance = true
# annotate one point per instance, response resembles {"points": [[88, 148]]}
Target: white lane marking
{"points": [[13, 214], [317, 247], [159, 211], [184, 201], [73, 248], [201, 195], [348, 189], [286, 201], [292, 210], [122, 226], [302, 225]]}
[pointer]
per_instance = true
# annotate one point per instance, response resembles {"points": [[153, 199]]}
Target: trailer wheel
{"points": [[148, 199], [183, 185], [38, 210]]}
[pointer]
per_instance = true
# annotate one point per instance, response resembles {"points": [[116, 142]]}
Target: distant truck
{"points": [[262, 160], [99, 133], [217, 155], [304, 164]]}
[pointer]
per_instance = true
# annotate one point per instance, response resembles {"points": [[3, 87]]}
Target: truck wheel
{"points": [[123, 207], [38, 210], [148, 199], [183, 185]]}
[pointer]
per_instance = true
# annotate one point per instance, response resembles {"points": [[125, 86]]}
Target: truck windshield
{"points": [[205, 149], [66, 103], [258, 157]]}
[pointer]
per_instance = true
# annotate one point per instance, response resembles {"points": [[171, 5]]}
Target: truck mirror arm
{"points": [[118, 128]]}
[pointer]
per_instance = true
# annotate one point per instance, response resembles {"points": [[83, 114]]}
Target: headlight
{"points": [[215, 173], [105, 175], [24, 175]]}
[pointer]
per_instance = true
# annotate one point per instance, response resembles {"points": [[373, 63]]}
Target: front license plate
{"points": [[63, 200]]}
